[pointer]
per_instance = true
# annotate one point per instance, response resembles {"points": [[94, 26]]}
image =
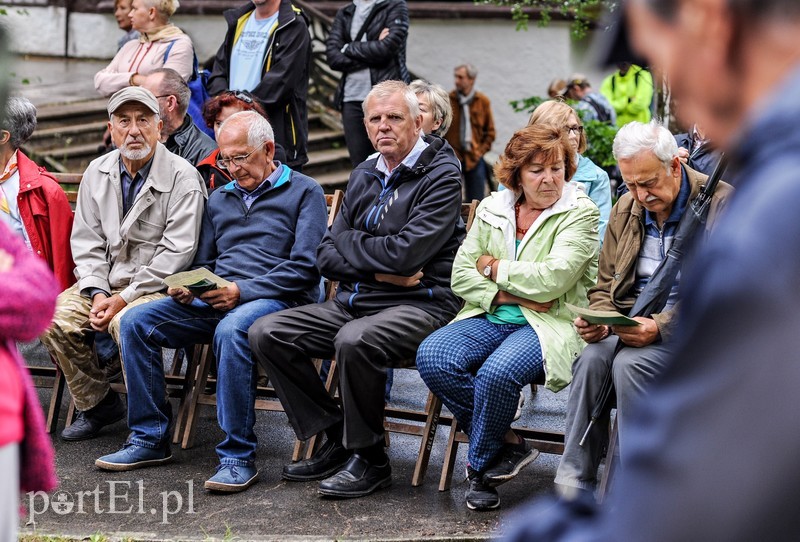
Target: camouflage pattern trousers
{"points": [[70, 341]]}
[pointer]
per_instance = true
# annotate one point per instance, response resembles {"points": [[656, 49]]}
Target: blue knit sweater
{"points": [[268, 250]]}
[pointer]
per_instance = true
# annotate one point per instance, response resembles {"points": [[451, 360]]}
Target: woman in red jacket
{"points": [[32, 203]]}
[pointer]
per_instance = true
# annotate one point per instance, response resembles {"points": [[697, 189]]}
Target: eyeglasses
{"points": [[243, 96], [164, 96], [574, 129], [237, 161]]}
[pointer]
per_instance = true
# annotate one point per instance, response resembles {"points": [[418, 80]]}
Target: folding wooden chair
{"points": [[549, 442]]}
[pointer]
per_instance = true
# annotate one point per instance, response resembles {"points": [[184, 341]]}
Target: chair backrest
{"points": [[334, 203], [69, 182], [468, 212]]}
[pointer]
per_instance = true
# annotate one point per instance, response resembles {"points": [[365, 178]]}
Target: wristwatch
{"points": [[487, 271]]}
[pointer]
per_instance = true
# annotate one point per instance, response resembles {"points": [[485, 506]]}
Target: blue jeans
{"points": [[477, 368], [145, 329]]}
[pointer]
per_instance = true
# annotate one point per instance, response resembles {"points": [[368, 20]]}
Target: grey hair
{"points": [[19, 120], [259, 129], [439, 100], [384, 89], [167, 8], [636, 137], [173, 84], [472, 71]]}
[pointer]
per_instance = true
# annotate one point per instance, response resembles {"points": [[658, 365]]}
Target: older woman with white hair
{"points": [[434, 104], [161, 44], [32, 204]]}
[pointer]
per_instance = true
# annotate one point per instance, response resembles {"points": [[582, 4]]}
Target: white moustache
{"points": [[650, 199]]}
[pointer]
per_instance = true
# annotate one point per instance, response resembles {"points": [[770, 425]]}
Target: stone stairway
{"points": [[68, 135]]}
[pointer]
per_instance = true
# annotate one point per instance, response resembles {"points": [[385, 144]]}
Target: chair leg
{"points": [[449, 457], [433, 406], [56, 396], [189, 379], [612, 460], [204, 353], [332, 385]]}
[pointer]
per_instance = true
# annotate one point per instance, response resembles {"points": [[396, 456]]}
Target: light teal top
{"points": [[507, 314]]}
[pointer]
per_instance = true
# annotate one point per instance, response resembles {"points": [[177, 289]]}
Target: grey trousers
{"points": [[364, 345], [633, 370]]}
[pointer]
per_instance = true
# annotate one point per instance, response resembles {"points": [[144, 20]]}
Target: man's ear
{"points": [[5, 137], [269, 148], [709, 24]]}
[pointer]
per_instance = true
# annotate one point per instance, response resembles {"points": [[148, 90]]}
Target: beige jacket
{"points": [[624, 236], [158, 236], [143, 58]]}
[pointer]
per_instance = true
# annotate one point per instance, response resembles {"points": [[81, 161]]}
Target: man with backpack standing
{"points": [[267, 51], [591, 104]]}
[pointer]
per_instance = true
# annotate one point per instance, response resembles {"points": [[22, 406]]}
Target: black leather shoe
{"points": [[327, 460], [88, 424], [358, 478]]}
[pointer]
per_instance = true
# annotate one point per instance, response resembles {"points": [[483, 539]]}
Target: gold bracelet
{"points": [[130, 81]]}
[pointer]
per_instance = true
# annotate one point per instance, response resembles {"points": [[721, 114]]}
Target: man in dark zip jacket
{"points": [[267, 51], [391, 248]]}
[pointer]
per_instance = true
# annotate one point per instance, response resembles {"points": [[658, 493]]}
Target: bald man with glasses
{"points": [[260, 232]]}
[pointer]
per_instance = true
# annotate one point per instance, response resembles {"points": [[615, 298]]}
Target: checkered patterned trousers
{"points": [[477, 368]]}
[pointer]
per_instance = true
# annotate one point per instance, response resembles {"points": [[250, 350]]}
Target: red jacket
{"points": [[47, 217]]}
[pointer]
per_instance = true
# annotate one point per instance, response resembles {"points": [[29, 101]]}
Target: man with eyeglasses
{"points": [[178, 133], [137, 221], [640, 231], [260, 232]]}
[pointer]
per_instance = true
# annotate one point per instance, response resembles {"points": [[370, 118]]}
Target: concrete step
{"points": [[67, 135], [327, 161], [50, 116], [325, 138], [334, 180]]}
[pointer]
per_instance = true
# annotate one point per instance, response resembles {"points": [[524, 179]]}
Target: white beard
{"points": [[135, 154]]}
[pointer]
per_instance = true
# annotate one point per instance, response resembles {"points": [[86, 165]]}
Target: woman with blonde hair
{"points": [[434, 104], [531, 249], [161, 44], [589, 176]]}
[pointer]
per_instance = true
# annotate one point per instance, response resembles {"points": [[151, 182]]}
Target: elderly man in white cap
{"points": [[137, 221]]}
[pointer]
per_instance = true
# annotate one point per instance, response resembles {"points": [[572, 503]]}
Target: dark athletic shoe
{"points": [[514, 458], [480, 496], [358, 478]]}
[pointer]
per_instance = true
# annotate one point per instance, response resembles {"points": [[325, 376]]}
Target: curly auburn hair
{"points": [[544, 143], [230, 98]]}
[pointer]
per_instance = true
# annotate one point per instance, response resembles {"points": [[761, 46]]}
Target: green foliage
{"points": [[599, 135], [582, 12]]}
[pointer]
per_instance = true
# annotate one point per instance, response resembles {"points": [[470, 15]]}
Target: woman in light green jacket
{"points": [[531, 249]]}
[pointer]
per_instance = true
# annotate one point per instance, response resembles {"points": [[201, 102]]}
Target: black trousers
{"points": [[364, 345], [355, 133]]}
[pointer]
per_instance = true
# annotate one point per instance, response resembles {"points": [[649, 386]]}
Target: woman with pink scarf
{"points": [[28, 293]]}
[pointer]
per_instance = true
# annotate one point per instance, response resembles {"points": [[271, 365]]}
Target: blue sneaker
{"points": [[132, 457], [232, 478]]}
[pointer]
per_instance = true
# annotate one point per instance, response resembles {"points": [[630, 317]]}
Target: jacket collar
{"points": [[161, 183], [30, 174]]}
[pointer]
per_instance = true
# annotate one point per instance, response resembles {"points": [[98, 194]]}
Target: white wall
{"points": [[41, 31]]}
